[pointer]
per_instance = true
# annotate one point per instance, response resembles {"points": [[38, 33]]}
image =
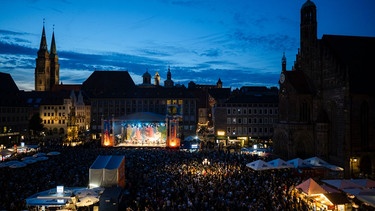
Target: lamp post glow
{"points": [[353, 161]]}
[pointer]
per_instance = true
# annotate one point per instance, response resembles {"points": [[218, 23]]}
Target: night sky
{"points": [[239, 41]]}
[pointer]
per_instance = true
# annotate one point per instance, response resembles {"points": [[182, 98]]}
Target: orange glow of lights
{"points": [[221, 133], [106, 139]]}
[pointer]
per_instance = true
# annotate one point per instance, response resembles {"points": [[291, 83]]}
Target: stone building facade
{"points": [[325, 101]]}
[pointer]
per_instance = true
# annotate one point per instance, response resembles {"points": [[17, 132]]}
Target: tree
{"points": [[36, 124]]}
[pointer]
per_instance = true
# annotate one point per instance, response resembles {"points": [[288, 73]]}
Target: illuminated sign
{"points": [[59, 189]]}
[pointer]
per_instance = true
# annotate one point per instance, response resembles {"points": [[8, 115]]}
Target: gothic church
{"points": [[47, 70], [327, 100]]}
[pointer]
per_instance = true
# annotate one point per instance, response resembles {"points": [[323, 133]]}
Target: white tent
{"points": [[368, 199], [311, 187], [342, 183], [259, 165], [366, 183], [107, 171], [87, 201], [298, 163], [315, 161], [318, 162], [359, 191], [279, 163], [334, 167]]}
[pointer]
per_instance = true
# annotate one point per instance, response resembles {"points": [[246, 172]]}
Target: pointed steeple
{"points": [[43, 42], [53, 43], [169, 82], [169, 74], [283, 62], [54, 59], [219, 84]]}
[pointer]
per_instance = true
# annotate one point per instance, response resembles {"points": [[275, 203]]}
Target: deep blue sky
{"points": [[239, 41]]}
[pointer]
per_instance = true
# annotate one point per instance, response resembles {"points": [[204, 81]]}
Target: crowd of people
{"points": [[160, 179]]}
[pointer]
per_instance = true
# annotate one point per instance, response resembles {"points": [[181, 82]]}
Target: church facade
{"points": [[326, 100]]}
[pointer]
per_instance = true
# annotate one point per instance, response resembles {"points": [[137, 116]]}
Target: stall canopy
{"points": [[311, 187], [259, 165], [107, 171], [315, 161], [279, 163], [298, 163], [369, 199], [367, 183], [342, 184], [318, 162]]}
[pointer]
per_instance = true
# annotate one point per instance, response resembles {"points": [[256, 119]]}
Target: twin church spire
{"points": [[47, 70]]}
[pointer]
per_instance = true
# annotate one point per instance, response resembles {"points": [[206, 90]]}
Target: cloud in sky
{"points": [[241, 42]]}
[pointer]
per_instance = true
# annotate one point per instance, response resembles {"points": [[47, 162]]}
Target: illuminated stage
{"points": [[143, 129], [142, 134]]}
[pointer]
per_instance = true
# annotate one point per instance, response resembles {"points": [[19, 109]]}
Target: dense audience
{"points": [[160, 179]]}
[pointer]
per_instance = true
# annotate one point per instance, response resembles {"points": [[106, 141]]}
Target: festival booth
{"points": [[64, 198], [6, 153], [144, 129], [107, 171], [319, 198], [328, 170], [360, 191], [279, 163], [259, 165], [316, 167]]}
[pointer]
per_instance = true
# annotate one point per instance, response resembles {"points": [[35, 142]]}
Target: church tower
{"points": [[47, 65], [308, 42], [219, 84], [157, 79], [146, 78], [55, 66], [283, 63], [308, 27], [169, 82]]}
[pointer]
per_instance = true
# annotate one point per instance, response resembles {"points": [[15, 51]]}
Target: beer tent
{"points": [[298, 163], [279, 163], [107, 171], [310, 187], [259, 165], [314, 194]]}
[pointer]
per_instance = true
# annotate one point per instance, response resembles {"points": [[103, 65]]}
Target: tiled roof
{"points": [[7, 83], [108, 84]]}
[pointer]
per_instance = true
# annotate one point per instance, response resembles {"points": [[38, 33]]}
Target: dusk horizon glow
{"points": [[240, 42]]}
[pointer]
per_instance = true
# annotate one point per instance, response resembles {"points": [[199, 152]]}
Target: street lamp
{"points": [[353, 161]]}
